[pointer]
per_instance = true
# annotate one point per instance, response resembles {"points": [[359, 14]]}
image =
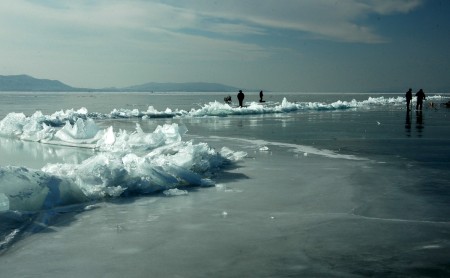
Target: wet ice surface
{"points": [[250, 224], [342, 194]]}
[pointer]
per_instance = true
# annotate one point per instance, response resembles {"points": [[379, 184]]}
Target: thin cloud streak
{"points": [[335, 20]]}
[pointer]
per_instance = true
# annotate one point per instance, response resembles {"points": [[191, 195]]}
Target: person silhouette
{"points": [[261, 95], [408, 97], [420, 97], [227, 99], [240, 97]]}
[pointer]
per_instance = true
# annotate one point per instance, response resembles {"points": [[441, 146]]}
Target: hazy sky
{"points": [[281, 45]]}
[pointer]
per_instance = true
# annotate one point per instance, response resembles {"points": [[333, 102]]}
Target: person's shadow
{"points": [[419, 123], [408, 123]]}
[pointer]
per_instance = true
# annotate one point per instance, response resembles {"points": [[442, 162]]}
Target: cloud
{"points": [[86, 37], [329, 20], [387, 7], [325, 19]]}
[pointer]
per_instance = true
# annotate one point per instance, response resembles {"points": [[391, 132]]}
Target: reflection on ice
{"points": [[33, 190], [30, 154]]}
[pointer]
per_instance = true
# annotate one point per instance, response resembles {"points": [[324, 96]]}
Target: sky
{"points": [[274, 45]]}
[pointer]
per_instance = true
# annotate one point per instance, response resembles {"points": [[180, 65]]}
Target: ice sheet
{"points": [[291, 208], [300, 225]]}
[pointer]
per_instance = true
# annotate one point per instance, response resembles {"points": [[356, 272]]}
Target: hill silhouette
{"points": [[26, 83]]}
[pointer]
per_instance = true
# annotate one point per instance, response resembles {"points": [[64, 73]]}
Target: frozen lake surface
{"points": [[307, 185]]}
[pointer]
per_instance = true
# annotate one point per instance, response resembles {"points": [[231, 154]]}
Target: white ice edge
{"points": [[301, 149], [211, 109]]}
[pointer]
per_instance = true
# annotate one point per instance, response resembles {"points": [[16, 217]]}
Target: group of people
{"points": [[241, 96], [420, 95]]}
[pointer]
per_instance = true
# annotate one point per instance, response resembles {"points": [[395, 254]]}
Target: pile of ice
{"points": [[44, 128], [125, 163], [79, 126], [150, 113], [254, 108]]}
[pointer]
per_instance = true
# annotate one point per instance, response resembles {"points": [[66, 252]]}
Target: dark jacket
{"points": [[420, 95]]}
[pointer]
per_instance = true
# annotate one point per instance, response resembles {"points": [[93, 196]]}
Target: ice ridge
{"points": [[125, 163]]}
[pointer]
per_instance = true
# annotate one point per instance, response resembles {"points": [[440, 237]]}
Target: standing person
{"points": [[408, 96], [420, 97], [261, 95], [240, 97]]}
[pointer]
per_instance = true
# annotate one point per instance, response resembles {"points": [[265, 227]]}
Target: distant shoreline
{"points": [[25, 83]]}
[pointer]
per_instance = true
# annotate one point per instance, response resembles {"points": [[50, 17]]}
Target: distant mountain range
{"points": [[28, 83], [21, 83]]}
